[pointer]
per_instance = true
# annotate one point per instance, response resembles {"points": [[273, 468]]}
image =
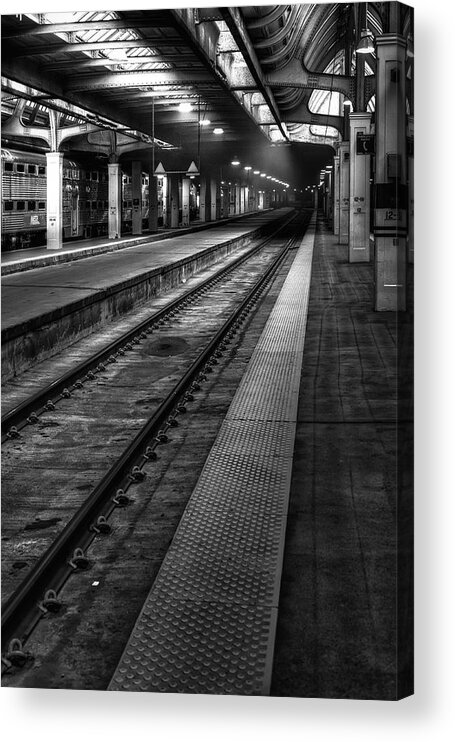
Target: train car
{"points": [[84, 197]]}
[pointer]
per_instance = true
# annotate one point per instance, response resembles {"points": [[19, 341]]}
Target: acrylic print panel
{"points": [[207, 490]]}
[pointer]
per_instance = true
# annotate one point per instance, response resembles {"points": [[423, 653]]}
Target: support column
{"points": [[237, 199], [214, 211], [336, 195], [136, 188], [174, 200], [153, 202], [410, 140], [242, 199], [115, 201], [205, 209], [185, 202], [54, 195], [359, 191], [343, 237], [391, 198]]}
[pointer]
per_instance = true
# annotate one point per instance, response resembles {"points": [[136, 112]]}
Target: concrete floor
{"points": [[340, 594]]}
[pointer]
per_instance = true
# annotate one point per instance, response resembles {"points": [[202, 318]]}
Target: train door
{"points": [[75, 211]]}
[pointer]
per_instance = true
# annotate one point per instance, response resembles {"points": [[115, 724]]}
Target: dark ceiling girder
{"points": [[48, 84], [295, 75], [114, 24], [137, 78], [154, 42], [193, 43], [68, 64], [237, 28]]}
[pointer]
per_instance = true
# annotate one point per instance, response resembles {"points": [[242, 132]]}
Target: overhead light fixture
{"points": [[366, 43], [204, 122], [263, 175], [247, 167], [269, 177], [255, 172], [185, 107], [235, 161], [218, 130]]}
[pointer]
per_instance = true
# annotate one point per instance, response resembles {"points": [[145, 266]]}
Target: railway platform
{"points": [[49, 307], [298, 486], [16, 261]]}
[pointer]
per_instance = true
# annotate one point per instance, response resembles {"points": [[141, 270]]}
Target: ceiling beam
{"points": [[50, 49], [133, 79], [83, 64], [294, 75], [234, 21], [133, 23]]}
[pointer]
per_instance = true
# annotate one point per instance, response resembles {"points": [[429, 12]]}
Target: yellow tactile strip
{"points": [[208, 624]]}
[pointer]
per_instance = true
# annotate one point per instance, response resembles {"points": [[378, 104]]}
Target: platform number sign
{"points": [[365, 144]]}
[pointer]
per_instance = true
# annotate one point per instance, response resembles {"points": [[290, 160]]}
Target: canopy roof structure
{"points": [[235, 76]]}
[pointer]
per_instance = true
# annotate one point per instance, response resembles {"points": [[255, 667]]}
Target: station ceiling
{"points": [[198, 82]]}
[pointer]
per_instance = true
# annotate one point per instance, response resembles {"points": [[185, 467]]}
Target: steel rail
{"points": [[28, 411], [24, 608]]}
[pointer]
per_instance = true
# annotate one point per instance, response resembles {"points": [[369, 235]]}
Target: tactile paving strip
{"points": [[208, 624]]}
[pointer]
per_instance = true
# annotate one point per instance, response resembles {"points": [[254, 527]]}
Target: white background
{"points": [[77, 715]]}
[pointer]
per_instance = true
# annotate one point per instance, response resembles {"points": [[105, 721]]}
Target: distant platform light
{"points": [[185, 107], [218, 130]]}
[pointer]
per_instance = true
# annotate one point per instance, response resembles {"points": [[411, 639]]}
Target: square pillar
{"points": [[174, 201], [237, 200], [54, 195], [359, 191], [115, 200], [242, 199], [153, 202], [336, 195], [213, 200], [185, 202], [136, 194], [205, 207], [410, 147], [343, 236], [391, 197]]}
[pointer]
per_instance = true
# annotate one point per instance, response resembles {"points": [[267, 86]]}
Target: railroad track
{"points": [[38, 594]]}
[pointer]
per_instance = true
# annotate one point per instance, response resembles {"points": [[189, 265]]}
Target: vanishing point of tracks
{"points": [[190, 338]]}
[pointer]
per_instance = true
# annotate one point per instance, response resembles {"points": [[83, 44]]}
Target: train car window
{"points": [[31, 206], [8, 205], [20, 205], [94, 175], [41, 170], [41, 205], [31, 169], [9, 167], [94, 205], [129, 204], [100, 204], [20, 168]]}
